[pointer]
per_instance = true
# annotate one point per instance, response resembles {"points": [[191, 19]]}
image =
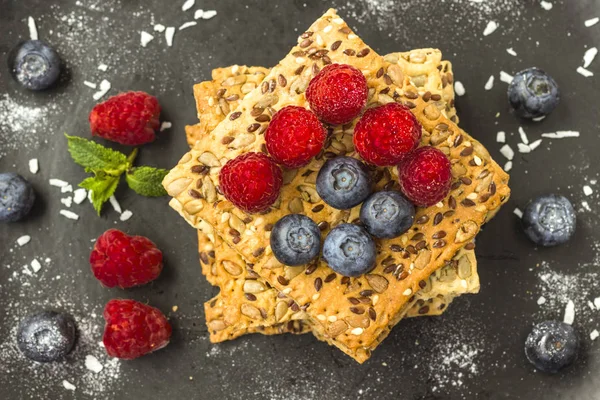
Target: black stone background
{"points": [[258, 32]]}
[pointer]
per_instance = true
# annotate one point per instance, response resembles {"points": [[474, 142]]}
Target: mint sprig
{"points": [[108, 166]]}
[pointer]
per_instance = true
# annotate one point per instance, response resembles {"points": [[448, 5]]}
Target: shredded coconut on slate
{"points": [[541, 300], [594, 334], [36, 266], [57, 182], [34, 166], [546, 5], [534, 145], [115, 204], [501, 137], [585, 72], [159, 28], [511, 52], [104, 88], [508, 166], [23, 240], [125, 215], [587, 190], [67, 201], [538, 119], [591, 22], [93, 364], [187, 5], [523, 135], [490, 83], [69, 214], [490, 28], [569, 313], [165, 125], [145, 38], [518, 212], [459, 88], [507, 152], [188, 25], [208, 14], [523, 148], [589, 56], [561, 134], [198, 14], [505, 77], [91, 85], [103, 67], [169, 34], [79, 195], [66, 189], [33, 33]]}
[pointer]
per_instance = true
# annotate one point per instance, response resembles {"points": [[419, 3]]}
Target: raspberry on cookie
{"points": [[425, 176], [338, 93], [384, 135]]}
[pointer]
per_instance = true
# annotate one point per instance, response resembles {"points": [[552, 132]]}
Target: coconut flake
{"points": [[35, 265], [34, 166], [508, 166], [507, 152], [187, 5], [198, 14], [67, 201], [459, 88], [504, 77], [33, 33], [115, 204], [23, 240], [589, 56], [79, 195], [145, 38], [594, 334], [69, 214], [490, 28], [90, 84], [57, 182], [591, 22], [569, 313], [519, 214], [187, 25], [159, 28], [585, 72], [541, 300], [587, 190], [66, 189], [524, 137], [104, 88], [208, 14], [511, 52], [103, 67], [535, 144], [165, 125], [126, 215], [538, 119], [561, 134], [93, 364], [68, 385], [169, 34], [597, 302], [523, 148], [546, 5], [501, 137], [490, 83]]}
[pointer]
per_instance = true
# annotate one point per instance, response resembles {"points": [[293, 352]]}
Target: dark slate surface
{"points": [[415, 362]]}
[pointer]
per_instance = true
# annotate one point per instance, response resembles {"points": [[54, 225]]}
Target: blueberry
{"points": [[34, 64], [551, 346], [46, 336], [343, 182], [16, 197], [387, 214], [295, 240], [549, 220], [349, 250], [533, 93]]}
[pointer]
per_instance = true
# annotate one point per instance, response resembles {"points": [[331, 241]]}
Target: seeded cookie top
{"points": [[478, 189]]}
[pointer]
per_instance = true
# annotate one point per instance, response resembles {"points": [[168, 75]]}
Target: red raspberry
{"points": [[251, 182], [385, 134], [133, 329], [294, 136], [338, 93], [425, 176], [127, 118], [125, 261]]}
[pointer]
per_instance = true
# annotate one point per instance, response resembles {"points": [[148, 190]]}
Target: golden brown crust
{"points": [[480, 187]]}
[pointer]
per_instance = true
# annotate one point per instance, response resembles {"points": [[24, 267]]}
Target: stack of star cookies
{"points": [[416, 274]]}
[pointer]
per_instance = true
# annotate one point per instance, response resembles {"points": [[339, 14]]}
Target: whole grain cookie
{"points": [[479, 188]]}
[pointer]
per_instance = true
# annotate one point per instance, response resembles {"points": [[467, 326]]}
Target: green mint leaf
{"points": [[102, 187], [95, 157], [147, 181]]}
